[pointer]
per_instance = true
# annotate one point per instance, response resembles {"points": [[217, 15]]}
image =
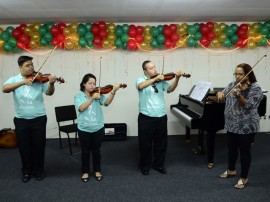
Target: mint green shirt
{"points": [[28, 100], [91, 119], [151, 103]]}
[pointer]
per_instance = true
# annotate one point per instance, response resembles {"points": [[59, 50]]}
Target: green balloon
{"points": [[48, 36], [191, 42], [197, 27], [90, 44], [12, 42], [263, 42], [9, 30], [234, 38], [4, 36], [198, 36], [124, 46], [118, 43], [89, 36], [43, 41], [264, 30], [154, 43], [88, 26], [191, 29], [7, 47], [160, 28], [49, 25], [125, 28], [227, 43], [160, 46], [268, 36], [125, 38], [154, 31], [16, 50], [229, 31], [81, 30], [119, 31], [42, 30], [234, 27], [267, 24], [82, 42], [160, 38]]}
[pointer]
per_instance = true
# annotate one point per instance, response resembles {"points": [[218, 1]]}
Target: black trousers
{"points": [[243, 143], [31, 139], [152, 134], [91, 142]]}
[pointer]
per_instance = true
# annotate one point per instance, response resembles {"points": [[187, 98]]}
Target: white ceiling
{"points": [[30, 11]]}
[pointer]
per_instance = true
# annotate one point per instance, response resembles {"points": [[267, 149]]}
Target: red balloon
{"points": [[167, 43], [139, 38], [132, 32], [140, 29], [210, 25], [132, 26], [60, 38], [204, 29], [242, 33], [131, 44], [103, 34], [173, 27], [167, 31], [54, 41], [20, 45], [204, 41], [97, 41], [61, 25], [22, 26], [244, 27], [102, 25], [241, 43], [95, 29], [211, 35], [16, 33], [24, 39], [174, 37], [55, 30]]}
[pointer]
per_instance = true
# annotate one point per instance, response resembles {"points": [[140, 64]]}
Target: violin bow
{"points": [[246, 75], [44, 62], [162, 70], [99, 72]]}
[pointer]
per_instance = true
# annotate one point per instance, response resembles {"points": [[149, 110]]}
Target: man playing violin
{"points": [[30, 119], [242, 120], [152, 119]]}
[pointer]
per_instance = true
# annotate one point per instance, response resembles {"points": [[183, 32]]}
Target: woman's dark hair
{"points": [[85, 79], [247, 68], [22, 59], [144, 63]]}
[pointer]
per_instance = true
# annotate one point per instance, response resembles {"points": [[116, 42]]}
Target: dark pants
{"points": [[243, 143], [91, 142], [31, 139], [152, 134]]}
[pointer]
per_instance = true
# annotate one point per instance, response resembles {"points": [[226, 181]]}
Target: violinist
{"points": [[152, 119], [91, 123], [242, 120], [30, 118]]}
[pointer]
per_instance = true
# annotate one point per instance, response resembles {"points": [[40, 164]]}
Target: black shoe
{"points": [[26, 177], [144, 171], [40, 176], [160, 169]]}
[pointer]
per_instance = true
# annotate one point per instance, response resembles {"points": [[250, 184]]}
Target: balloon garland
{"points": [[103, 35]]}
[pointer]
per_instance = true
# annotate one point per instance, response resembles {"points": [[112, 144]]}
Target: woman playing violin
{"points": [[241, 119], [91, 123], [152, 119], [30, 119]]}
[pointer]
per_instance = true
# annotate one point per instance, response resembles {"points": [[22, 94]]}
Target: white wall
{"points": [[124, 67]]}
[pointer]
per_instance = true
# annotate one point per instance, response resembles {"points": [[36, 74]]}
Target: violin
{"points": [[8, 138], [106, 89], [43, 78], [171, 75]]}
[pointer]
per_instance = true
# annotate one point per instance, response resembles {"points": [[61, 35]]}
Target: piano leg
{"points": [[210, 146], [200, 148], [187, 135]]}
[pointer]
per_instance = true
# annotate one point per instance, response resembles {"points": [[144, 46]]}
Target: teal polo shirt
{"points": [[91, 119], [28, 100], [151, 103]]}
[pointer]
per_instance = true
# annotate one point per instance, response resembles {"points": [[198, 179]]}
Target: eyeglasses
{"points": [[238, 74], [155, 88]]}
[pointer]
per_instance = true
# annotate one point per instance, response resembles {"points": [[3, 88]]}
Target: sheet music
{"points": [[200, 90]]}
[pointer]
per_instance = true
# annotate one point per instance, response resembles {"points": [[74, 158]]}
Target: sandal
{"points": [[241, 183], [227, 174], [210, 165]]}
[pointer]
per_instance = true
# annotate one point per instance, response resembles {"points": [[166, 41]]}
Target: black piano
{"points": [[205, 115]]}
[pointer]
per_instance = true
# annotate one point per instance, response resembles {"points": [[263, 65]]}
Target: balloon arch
{"points": [[102, 35]]}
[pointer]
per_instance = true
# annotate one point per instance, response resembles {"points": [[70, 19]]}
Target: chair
{"points": [[66, 113]]}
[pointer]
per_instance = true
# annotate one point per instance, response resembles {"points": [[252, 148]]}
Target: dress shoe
{"points": [[99, 177], [160, 169], [144, 171], [40, 176], [26, 177], [85, 179]]}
